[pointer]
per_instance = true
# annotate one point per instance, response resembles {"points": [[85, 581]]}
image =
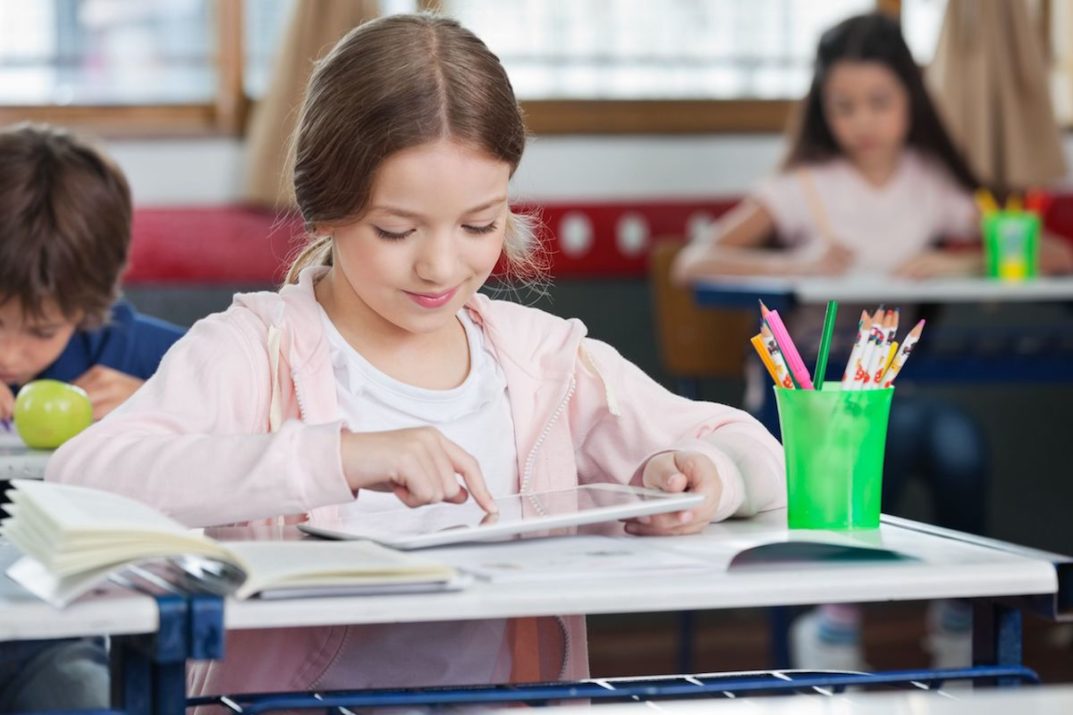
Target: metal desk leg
{"points": [[996, 637], [149, 671]]}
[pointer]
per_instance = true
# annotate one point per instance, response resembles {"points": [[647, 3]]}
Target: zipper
{"points": [[566, 646], [298, 394], [527, 472]]}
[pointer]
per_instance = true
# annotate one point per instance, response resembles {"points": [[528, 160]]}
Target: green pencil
{"points": [[825, 343]]}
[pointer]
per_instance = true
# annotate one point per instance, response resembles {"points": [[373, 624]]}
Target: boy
{"points": [[65, 216]]}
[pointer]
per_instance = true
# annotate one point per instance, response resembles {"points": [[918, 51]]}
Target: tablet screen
{"points": [[449, 523]]}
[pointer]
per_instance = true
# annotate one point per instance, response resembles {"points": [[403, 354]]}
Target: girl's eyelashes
{"points": [[392, 235], [488, 228], [399, 235]]}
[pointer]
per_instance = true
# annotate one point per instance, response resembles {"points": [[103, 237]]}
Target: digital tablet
{"points": [[439, 524]]}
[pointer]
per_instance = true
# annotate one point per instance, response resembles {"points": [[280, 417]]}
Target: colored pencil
{"points": [[825, 342], [789, 350], [761, 350], [906, 350], [781, 368]]}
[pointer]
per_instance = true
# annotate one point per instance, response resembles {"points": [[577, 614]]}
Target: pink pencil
{"points": [[789, 350]]}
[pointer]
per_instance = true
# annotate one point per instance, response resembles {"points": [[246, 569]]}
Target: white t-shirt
{"points": [[475, 416], [884, 226]]}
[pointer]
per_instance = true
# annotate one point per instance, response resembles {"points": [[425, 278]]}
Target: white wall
{"points": [[168, 172]]}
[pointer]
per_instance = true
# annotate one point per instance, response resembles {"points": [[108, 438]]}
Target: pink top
{"points": [[242, 422], [884, 226]]}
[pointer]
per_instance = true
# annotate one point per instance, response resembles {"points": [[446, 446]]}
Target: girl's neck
{"points": [[877, 171], [437, 360]]}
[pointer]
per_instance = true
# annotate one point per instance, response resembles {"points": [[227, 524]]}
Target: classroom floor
{"points": [[737, 640]]}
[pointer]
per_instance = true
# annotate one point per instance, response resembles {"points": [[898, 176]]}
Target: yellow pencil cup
{"points": [[834, 442]]}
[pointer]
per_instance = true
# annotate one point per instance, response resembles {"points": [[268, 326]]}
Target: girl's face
{"points": [[867, 109], [432, 234]]}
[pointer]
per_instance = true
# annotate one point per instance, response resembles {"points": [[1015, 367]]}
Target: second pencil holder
{"points": [[1011, 244], [834, 442]]}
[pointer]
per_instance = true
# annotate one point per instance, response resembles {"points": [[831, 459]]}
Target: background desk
{"points": [[780, 294]]}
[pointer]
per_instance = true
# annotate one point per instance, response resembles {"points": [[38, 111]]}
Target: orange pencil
{"points": [[758, 343]]}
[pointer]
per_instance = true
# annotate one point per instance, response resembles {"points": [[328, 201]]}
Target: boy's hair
{"points": [[873, 37], [393, 83], [65, 213]]}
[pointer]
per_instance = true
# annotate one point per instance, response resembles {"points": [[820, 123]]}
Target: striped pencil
{"points": [[899, 359]]}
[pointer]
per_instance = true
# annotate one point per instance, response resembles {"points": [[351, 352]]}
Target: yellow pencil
{"points": [[890, 357], [758, 343], [985, 201]]}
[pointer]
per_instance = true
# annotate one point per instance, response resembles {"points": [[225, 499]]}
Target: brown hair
{"points": [[65, 212], [390, 84]]}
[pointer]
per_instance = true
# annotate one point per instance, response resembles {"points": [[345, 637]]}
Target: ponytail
{"points": [[317, 252]]}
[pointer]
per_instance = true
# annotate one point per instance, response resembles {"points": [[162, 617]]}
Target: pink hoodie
{"points": [[241, 423]]}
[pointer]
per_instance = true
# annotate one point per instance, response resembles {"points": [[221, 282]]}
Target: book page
{"points": [[312, 562]]}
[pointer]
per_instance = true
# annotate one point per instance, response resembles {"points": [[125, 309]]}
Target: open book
{"points": [[74, 538]]}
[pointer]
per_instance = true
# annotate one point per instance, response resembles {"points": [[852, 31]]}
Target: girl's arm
{"points": [[194, 443], [736, 249], [622, 419]]}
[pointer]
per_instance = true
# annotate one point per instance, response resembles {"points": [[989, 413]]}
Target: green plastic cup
{"points": [[834, 442], [1011, 244]]}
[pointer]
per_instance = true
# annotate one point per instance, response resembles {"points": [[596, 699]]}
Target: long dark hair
{"points": [[873, 37]]}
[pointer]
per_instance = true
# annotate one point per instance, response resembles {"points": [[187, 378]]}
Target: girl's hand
{"points": [[419, 465], [936, 264], [834, 260], [679, 472], [7, 402], [107, 388]]}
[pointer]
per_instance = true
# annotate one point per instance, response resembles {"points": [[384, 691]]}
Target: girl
{"points": [[378, 373], [871, 182]]}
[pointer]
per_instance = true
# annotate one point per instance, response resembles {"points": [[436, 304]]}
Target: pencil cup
{"points": [[1011, 244], [834, 442]]}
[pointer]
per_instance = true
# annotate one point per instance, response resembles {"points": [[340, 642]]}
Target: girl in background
{"points": [[872, 185], [379, 378]]}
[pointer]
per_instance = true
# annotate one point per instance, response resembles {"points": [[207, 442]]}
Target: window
{"points": [[599, 66], [639, 49]]}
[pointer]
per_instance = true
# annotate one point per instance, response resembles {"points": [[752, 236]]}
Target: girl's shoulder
{"points": [[525, 330]]}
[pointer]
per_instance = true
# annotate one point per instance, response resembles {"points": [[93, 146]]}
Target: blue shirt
{"points": [[129, 342]]}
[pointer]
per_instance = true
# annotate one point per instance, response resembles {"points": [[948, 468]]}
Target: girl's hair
{"points": [[871, 38], [390, 84]]}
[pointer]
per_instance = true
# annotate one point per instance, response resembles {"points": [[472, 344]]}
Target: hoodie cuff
{"points": [[321, 481]]}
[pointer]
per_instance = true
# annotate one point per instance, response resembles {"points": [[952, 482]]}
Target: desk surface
{"points": [[870, 289], [945, 567], [1041, 700], [17, 461], [113, 612]]}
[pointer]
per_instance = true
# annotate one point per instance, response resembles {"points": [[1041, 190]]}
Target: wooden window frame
{"points": [[226, 116]]}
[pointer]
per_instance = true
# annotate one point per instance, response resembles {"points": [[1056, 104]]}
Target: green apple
{"points": [[50, 412]]}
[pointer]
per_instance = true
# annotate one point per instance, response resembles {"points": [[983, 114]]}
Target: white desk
{"points": [[947, 567], [113, 612], [17, 461]]}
